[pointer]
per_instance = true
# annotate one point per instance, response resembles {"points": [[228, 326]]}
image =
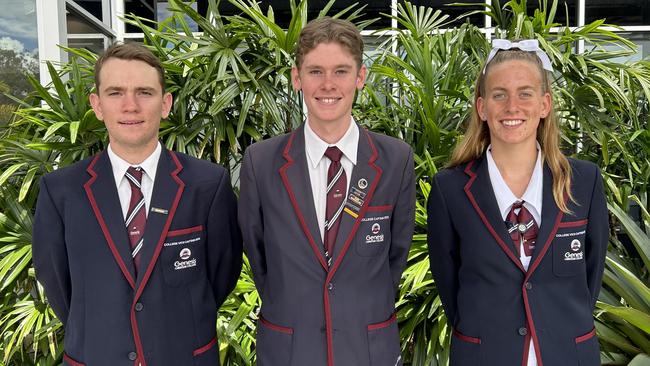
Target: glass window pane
{"points": [[94, 7], [163, 13], [620, 12], [141, 8], [18, 52]]}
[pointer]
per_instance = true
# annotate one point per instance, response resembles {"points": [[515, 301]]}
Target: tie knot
{"points": [[333, 153], [134, 175], [518, 204]]}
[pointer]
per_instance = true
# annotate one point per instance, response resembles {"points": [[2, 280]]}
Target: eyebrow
{"points": [[138, 89], [341, 66]]}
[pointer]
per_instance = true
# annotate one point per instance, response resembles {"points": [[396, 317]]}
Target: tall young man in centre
{"points": [[327, 215]]}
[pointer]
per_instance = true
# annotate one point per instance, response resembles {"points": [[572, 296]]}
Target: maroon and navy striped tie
{"points": [[336, 189], [136, 217], [523, 228]]}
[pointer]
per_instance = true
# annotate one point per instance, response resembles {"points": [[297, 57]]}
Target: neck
{"points": [[516, 165], [330, 132], [134, 156]]}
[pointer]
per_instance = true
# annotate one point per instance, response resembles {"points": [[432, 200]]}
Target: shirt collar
{"points": [[120, 166], [505, 197], [316, 147]]}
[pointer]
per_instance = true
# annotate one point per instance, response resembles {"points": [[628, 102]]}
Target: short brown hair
{"points": [[327, 30], [130, 51]]}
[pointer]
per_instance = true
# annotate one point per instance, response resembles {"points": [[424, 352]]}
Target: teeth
{"points": [[328, 100], [512, 122]]}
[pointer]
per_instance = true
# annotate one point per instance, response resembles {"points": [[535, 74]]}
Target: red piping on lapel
{"points": [[154, 258], [294, 203], [102, 223], [478, 210], [348, 241], [530, 272]]}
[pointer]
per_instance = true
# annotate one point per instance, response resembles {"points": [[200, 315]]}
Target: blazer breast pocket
{"points": [[182, 256], [373, 235], [569, 248]]}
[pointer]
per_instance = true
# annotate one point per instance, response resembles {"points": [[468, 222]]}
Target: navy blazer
{"points": [[313, 314], [166, 315], [492, 303]]}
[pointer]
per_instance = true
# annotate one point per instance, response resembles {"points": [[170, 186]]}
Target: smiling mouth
{"points": [[328, 100], [512, 122], [130, 122]]}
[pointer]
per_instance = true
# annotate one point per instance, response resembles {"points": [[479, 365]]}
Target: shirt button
{"points": [[522, 331], [529, 285], [133, 356], [139, 306], [330, 286]]}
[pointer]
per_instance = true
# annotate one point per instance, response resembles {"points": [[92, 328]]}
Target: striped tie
{"points": [[136, 218], [336, 188], [522, 228]]}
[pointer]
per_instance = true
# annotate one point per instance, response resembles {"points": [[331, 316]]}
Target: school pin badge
{"points": [[362, 183]]}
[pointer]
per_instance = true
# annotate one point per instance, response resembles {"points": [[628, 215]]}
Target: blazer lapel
{"points": [[551, 217], [361, 187], [104, 200], [295, 177], [481, 195], [166, 194]]}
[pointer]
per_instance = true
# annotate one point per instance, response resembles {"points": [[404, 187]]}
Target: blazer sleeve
{"points": [[251, 221], [224, 243], [597, 238], [443, 249], [49, 253], [403, 222]]}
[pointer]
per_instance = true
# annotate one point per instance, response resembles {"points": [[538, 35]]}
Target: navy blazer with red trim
{"points": [[492, 303], [311, 314], [191, 259]]}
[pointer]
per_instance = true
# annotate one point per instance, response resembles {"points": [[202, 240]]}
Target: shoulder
{"points": [[199, 170], [583, 170], [272, 146], [71, 173], [453, 175], [387, 144]]}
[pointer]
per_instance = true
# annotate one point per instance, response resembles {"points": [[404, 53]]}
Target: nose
{"points": [[328, 81], [129, 102], [511, 104]]}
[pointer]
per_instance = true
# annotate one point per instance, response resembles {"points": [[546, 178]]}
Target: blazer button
{"points": [[522, 331], [330, 286], [529, 285], [138, 306], [133, 356]]}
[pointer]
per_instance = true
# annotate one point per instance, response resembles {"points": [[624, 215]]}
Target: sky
{"points": [[18, 25]]}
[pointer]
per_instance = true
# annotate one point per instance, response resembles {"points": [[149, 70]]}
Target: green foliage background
{"points": [[231, 86]]}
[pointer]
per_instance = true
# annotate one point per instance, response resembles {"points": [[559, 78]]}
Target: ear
{"points": [[167, 104], [480, 108], [97, 108], [295, 78], [361, 77], [547, 101]]}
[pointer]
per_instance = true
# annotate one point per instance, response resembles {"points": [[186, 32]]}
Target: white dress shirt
{"points": [[120, 166], [318, 163], [532, 198]]}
